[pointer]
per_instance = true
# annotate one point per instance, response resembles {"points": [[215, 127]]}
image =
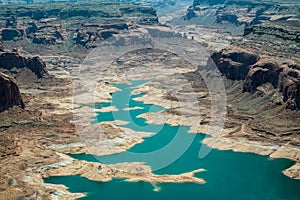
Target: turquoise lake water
{"points": [[229, 175]]}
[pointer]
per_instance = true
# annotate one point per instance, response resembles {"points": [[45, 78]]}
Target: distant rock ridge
{"points": [[10, 60], [281, 36], [68, 24], [246, 12], [274, 30], [9, 93], [153, 3]]}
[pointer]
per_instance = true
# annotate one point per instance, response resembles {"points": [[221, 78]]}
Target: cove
{"points": [[229, 175]]}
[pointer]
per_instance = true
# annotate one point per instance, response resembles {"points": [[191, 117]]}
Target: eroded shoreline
{"points": [[154, 93], [91, 170], [163, 91]]}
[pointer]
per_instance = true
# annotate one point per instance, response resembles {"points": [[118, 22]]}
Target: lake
{"points": [[229, 175]]}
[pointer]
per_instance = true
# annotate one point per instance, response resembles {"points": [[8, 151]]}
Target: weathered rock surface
{"points": [[10, 60], [10, 93], [37, 66], [239, 64], [274, 37], [63, 24], [49, 122], [27, 136], [88, 33], [11, 34], [234, 65], [24, 132], [247, 12]]}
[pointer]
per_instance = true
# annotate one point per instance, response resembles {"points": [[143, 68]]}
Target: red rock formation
{"points": [[9, 93]]}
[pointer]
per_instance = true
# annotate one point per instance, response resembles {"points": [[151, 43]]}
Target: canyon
{"points": [[42, 50]]}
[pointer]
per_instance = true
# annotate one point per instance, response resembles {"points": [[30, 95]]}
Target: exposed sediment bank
{"points": [[133, 171]]}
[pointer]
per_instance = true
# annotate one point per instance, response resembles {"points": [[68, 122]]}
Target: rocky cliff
{"points": [[266, 60], [62, 34], [9, 93], [260, 70], [10, 60], [261, 74]]}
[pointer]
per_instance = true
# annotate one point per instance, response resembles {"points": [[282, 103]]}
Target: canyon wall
{"points": [[9, 93], [258, 73]]}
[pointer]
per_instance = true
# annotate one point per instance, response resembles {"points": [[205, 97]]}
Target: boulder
{"points": [[9, 93]]}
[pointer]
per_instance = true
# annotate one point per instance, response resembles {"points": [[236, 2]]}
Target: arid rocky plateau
{"points": [[42, 48]]}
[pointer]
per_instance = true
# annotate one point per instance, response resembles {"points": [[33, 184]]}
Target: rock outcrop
{"points": [[290, 86], [37, 66], [89, 33], [234, 65], [11, 34], [9, 93], [10, 60], [239, 64], [261, 73]]}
